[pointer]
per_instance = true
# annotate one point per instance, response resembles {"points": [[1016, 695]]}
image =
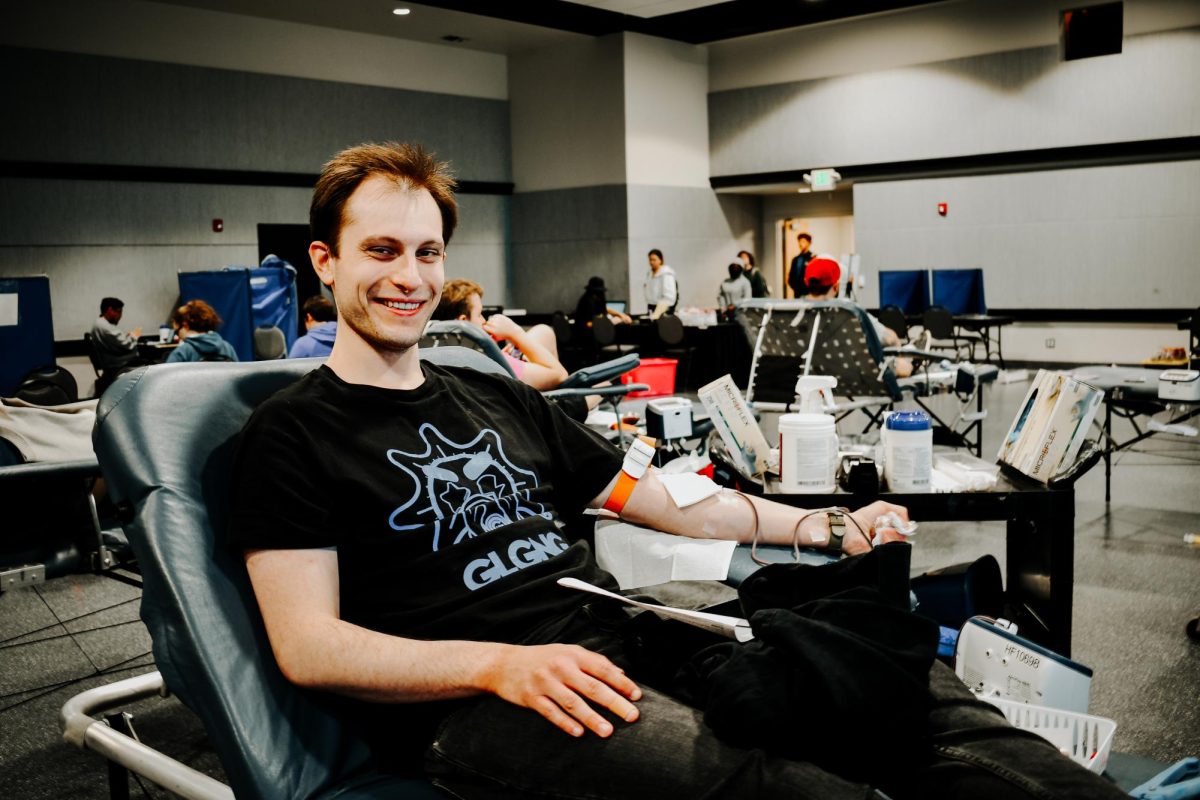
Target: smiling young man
{"points": [[403, 536]]}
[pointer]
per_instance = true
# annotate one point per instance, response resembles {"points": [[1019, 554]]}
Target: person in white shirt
{"points": [[734, 290], [662, 289]]}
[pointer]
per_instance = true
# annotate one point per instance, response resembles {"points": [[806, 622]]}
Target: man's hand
{"points": [[855, 543], [135, 333], [559, 680], [499, 326]]}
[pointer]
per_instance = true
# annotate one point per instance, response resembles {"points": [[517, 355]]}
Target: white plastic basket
{"points": [[1083, 738]]}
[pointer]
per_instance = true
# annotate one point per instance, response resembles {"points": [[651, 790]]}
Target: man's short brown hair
{"points": [[456, 299], [320, 309], [409, 165], [199, 316]]}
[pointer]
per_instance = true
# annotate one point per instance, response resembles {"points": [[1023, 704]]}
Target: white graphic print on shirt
{"points": [[468, 489]]}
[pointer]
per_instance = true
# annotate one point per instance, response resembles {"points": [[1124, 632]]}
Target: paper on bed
{"points": [[731, 627], [639, 557]]}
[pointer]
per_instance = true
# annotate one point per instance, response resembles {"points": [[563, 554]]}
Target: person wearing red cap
{"points": [[821, 279]]}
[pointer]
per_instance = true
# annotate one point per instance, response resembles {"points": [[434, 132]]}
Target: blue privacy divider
{"points": [[26, 329], [907, 289], [228, 291], [959, 291], [273, 296]]}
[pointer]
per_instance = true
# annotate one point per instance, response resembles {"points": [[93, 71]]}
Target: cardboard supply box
{"points": [[1050, 428]]}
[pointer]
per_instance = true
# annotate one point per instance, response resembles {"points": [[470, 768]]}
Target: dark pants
{"points": [[492, 749]]}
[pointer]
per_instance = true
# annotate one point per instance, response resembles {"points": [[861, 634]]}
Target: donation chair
{"points": [[273, 739], [834, 337], [570, 394]]}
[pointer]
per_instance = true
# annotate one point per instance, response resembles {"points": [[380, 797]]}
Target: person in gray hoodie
{"points": [[199, 340], [320, 322]]}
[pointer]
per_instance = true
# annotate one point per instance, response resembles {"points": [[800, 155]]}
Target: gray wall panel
{"points": [[144, 277], [550, 276], [1106, 237], [102, 213], [95, 238], [560, 238], [1018, 100], [68, 107], [699, 232]]}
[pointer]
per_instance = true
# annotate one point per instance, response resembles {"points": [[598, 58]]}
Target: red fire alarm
{"points": [[943, 208], [219, 224]]}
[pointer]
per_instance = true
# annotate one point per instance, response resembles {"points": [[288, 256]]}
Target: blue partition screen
{"points": [[273, 294], [959, 291], [228, 291], [907, 289], [26, 330]]}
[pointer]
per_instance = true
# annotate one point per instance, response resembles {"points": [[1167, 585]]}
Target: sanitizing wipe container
{"points": [[657, 373], [908, 451], [808, 453], [1083, 738]]}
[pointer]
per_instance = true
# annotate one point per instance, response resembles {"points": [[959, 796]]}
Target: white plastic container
{"points": [[164, 333], [908, 451], [808, 453], [1085, 739]]}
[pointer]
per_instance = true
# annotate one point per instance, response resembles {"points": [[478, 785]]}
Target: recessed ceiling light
{"points": [[401, 12]]}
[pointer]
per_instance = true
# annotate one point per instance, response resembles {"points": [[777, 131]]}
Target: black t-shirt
{"points": [[444, 502]]}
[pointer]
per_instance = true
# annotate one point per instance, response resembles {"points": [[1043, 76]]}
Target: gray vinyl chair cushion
{"points": [[441, 333], [165, 438]]}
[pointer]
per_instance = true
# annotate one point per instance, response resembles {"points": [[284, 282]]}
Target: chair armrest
{"points": [[604, 371], [81, 729], [85, 468], [619, 389]]}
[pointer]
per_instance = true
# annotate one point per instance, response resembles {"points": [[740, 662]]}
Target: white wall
{"points": [[666, 112], [1088, 343], [1011, 101], [1103, 237], [922, 35], [202, 38]]}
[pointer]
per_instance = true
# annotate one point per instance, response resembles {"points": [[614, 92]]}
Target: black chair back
{"points": [[562, 329], [603, 330], [269, 343], [165, 437], [48, 386], [892, 317], [939, 322], [670, 329]]}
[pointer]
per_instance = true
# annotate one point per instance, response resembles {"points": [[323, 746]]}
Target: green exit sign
{"points": [[823, 180]]}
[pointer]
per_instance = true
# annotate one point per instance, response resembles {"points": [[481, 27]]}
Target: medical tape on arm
{"points": [[637, 461]]}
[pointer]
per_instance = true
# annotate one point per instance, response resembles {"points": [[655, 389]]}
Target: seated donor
{"points": [[594, 302], [822, 276], [403, 537], [533, 353], [661, 286], [734, 289], [114, 347], [198, 337], [758, 281], [320, 322]]}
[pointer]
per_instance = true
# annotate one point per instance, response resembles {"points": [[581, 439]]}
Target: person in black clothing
{"points": [[758, 282], [799, 263], [414, 571], [594, 302]]}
